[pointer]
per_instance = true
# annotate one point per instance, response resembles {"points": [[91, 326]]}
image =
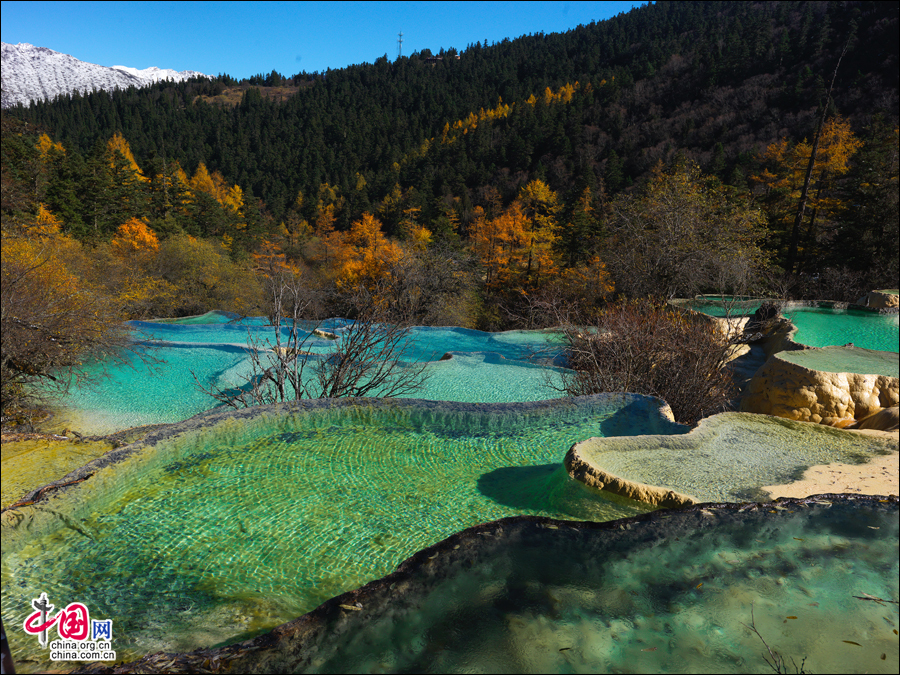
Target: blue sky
{"points": [[246, 38]]}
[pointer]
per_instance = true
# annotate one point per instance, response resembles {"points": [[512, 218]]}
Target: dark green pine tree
{"points": [[64, 171], [97, 189], [615, 177], [129, 194]]}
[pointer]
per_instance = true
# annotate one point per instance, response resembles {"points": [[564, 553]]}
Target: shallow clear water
{"points": [[818, 327], [428, 344], [485, 367], [239, 527], [723, 306], [846, 360], [671, 596], [730, 456]]}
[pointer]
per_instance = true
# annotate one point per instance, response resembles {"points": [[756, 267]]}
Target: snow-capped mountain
{"points": [[32, 73], [154, 74]]}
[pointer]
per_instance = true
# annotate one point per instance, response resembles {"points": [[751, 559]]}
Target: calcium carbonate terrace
{"points": [[231, 523]]}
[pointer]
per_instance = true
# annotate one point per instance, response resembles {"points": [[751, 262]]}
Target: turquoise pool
{"points": [[221, 531], [819, 327], [485, 367], [669, 592], [722, 306]]}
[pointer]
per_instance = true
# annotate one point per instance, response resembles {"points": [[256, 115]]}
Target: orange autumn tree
{"points": [[269, 261], [781, 183], [134, 238], [215, 185], [366, 254], [45, 223], [499, 243], [117, 145], [517, 245], [45, 144], [52, 320], [541, 207], [130, 277]]}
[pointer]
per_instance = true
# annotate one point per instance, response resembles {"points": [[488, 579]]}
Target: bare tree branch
{"points": [[366, 358]]}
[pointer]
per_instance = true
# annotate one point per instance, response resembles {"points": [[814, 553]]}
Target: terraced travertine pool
{"points": [[846, 360], [484, 367], [669, 592], [722, 305], [820, 327], [816, 326], [215, 533]]}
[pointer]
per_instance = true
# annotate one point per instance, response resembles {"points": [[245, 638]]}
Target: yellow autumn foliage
{"points": [[45, 144], [45, 224], [134, 237], [214, 184], [118, 144], [365, 255]]}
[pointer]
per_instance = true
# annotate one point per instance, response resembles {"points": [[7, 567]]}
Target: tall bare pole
{"points": [[801, 207], [400, 44]]}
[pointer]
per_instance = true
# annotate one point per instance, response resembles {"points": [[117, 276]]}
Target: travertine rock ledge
{"points": [[879, 300], [593, 476], [797, 392], [727, 457]]}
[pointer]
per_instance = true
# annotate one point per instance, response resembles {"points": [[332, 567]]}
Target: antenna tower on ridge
{"points": [[400, 44]]}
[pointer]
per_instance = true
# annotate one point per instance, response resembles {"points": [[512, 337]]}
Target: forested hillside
{"points": [[718, 81]]}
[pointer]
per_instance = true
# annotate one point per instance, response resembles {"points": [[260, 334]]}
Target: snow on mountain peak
{"points": [[32, 73], [154, 74]]}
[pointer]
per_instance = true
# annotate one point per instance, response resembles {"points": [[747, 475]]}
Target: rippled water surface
{"points": [[219, 533], [676, 596]]}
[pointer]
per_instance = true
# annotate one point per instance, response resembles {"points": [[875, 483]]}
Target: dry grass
{"points": [[232, 96]]}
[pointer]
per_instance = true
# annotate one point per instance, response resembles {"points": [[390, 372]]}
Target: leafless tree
{"points": [[366, 358], [648, 347], [683, 234]]}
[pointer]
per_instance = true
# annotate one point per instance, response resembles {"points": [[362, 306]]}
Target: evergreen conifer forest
{"points": [[680, 148]]}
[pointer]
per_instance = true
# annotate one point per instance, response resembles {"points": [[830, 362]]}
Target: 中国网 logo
{"points": [[80, 637]]}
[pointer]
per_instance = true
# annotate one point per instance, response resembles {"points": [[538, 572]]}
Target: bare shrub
{"points": [[573, 296], [648, 347], [431, 287], [835, 283], [684, 233], [367, 358]]}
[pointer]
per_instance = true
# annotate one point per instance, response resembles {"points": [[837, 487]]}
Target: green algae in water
{"points": [[818, 327], [670, 595], [29, 463], [223, 532]]}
